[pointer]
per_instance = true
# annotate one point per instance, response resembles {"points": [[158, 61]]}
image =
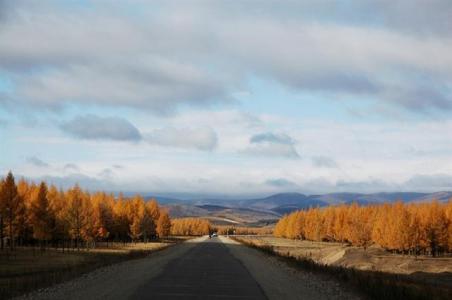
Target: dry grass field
{"points": [[419, 272], [28, 268], [337, 254]]}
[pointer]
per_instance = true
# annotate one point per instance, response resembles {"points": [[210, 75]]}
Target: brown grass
{"points": [[27, 268], [368, 270], [338, 254]]}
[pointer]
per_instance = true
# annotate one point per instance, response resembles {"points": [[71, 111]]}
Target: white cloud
{"points": [[280, 183], [70, 168], [269, 137], [165, 58], [158, 70], [202, 138], [324, 162], [270, 144], [37, 162], [92, 127], [272, 150]]}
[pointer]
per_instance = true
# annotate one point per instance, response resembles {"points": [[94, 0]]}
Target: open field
{"points": [[417, 275], [373, 258], [28, 268]]}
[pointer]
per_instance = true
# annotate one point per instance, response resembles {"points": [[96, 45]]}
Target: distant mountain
{"points": [[185, 210], [339, 198], [276, 205], [220, 215], [211, 207], [167, 200], [287, 202], [440, 196], [272, 202]]}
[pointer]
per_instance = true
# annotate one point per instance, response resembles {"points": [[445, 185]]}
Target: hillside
{"points": [[220, 215], [268, 209], [286, 201]]}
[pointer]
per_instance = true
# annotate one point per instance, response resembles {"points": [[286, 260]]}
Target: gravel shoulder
{"points": [[280, 281], [118, 281]]}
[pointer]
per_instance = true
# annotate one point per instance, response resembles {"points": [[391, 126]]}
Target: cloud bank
{"points": [[84, 55], [269, 144], [37, 162], [203, 138], [91, 127]]}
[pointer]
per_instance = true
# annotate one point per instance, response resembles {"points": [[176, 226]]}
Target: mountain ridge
{"points": [[282, 203]]}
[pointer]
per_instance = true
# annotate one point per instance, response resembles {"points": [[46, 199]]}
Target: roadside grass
{"points": [[370, 284], [26, 269]]}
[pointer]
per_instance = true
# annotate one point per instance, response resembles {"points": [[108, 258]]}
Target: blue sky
{"points": [[236, 98]]}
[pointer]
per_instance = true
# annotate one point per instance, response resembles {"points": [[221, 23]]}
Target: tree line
{"points": [[242, 230], [199, 226], [190, 226], [422, 228], [35, 213]]}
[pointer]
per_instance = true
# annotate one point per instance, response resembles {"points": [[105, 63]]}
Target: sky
{"points": [[232, 98]]}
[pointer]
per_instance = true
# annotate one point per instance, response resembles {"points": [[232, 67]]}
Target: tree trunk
{"points": [[11, 233], [1, 232]]}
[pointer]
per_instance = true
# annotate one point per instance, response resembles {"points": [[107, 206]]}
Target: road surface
{"points": [[207, 271], [202, 268]]}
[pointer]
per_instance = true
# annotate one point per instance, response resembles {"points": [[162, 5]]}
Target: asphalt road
{"points": [[207, 271]]}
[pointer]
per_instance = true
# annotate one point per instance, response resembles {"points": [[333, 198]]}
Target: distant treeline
{"points": [[200, 226], [424, 228], [190, 226], [31, 213], [241, 230]]}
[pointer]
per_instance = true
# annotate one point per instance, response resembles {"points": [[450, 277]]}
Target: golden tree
{"points": [[399, 227], [41, 216], [163, 224], [75, 213], [11, 205]]}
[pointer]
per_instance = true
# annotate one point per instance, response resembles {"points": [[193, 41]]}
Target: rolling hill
{"points": [[268, 209]]}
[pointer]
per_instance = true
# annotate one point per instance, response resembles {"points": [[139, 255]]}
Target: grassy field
{"points": [[26, 269], [376, 273], [338, 254]]}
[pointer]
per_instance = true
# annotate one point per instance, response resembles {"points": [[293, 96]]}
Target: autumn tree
{"points": [[449, 220], [163, 224], [74, 213], [2, 214], [121, 222], [360, 226], [59, 207], [102, 216], [436, 228], [89, 229], [190, 226], [11, 204], [23, 228], [136, 217], [153, 211], [281, 226], [402, 228], [42, 217]]}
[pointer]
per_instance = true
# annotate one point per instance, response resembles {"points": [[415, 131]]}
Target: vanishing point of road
{"points": [[201, 268]]}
